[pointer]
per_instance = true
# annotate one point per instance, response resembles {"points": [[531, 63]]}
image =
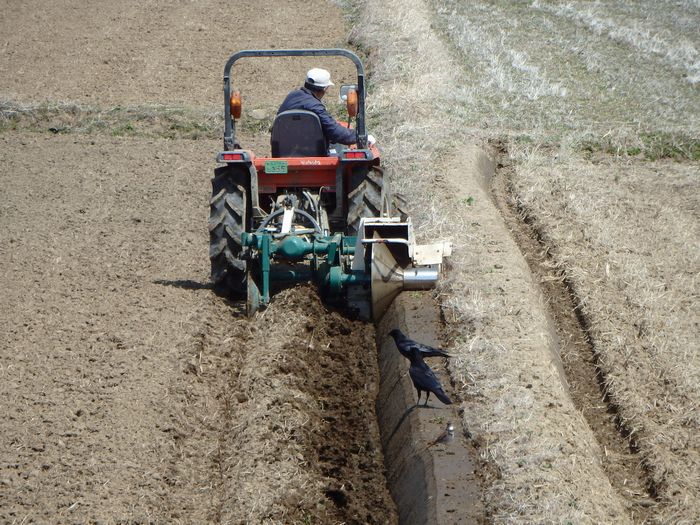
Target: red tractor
{"points": [[310, 211]]}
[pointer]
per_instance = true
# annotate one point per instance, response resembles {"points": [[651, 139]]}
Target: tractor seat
{"points": [[298, 133]]}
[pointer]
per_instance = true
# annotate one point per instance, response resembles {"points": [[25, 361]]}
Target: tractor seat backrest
{"points": [[298, 133]]}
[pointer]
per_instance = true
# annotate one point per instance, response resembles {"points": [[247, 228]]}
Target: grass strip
{"points": [[135, 121]]}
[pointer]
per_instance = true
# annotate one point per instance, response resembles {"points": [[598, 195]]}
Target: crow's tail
{"points": [[440, 394]]}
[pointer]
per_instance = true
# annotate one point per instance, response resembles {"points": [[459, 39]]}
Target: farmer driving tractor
{"points": [[308, 97]]}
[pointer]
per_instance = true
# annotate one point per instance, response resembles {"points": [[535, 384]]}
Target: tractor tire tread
{"points": [[227, 219], [366, 199]]}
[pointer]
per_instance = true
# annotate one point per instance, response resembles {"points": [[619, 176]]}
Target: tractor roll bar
{"points": [[229, 138]]}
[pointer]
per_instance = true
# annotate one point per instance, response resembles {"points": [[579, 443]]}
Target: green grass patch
{"points": [[146, 121], [126, 129], [649, 145]]}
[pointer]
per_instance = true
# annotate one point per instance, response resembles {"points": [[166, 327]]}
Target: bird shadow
{"points": [[400, 422], [407, 413]]}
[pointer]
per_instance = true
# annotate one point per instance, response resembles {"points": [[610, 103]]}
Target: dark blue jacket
{"points": [[304, 99]]}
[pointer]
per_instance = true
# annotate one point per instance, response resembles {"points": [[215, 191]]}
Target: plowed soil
{"points": [[131, 392]]}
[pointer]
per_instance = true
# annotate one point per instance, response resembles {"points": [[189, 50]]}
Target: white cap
{"points": [[319, 77]]}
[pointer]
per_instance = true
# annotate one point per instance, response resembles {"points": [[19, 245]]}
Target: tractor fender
{"points": [[246, 159]]}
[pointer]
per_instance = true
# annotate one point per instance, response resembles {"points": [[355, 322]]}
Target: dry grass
{"points": [[631, 254], [563, 85], [670, 34], [520, 428], [544, 72]]}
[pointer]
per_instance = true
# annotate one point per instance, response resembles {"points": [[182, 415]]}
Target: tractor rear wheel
{"points": [[369, 198], [227, 221]]}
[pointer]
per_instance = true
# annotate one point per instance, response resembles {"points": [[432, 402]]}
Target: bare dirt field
{"points": [[130, 391], [562, 165]]}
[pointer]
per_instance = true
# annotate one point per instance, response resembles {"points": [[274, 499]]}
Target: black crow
{"points": [[424, 378], [404, 344]]}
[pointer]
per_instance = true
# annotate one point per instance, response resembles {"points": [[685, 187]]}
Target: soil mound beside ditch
{"points": [[304, 442]]}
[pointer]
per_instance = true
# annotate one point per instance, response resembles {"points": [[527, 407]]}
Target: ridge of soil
{"points": [[301, 434], [432, 483], [581, 371], [517, 408]]}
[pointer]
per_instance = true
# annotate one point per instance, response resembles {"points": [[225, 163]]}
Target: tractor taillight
{"points": [[355, 155], [232, 156]]}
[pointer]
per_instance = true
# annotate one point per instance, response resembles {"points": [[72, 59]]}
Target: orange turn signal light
{"points": [[236, 104], [351, 103]]}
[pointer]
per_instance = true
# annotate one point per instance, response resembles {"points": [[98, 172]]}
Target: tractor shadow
{"points": [[237, 304], [185, 284]]}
